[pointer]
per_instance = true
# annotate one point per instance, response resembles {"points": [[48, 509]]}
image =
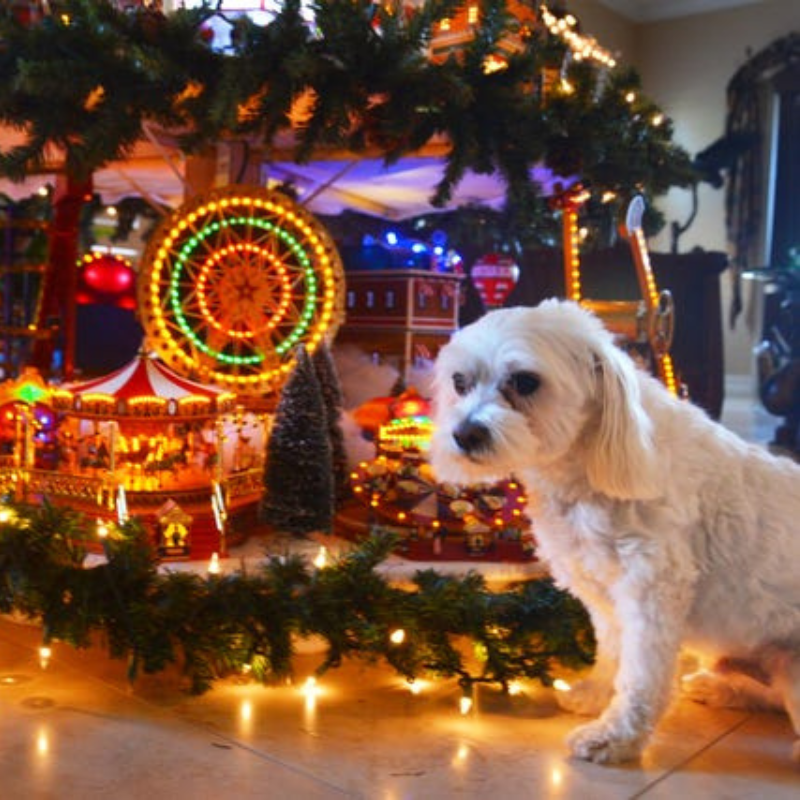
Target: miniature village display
{"points": [[231, 283]]}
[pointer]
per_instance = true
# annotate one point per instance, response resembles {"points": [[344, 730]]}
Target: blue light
{"points": [[392, 238], [418, 247]]}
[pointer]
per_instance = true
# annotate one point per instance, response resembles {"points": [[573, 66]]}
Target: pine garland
{"points": [[362, 71], [213, 626]]}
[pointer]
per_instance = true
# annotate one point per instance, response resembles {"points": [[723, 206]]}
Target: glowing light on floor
{"points": [[461, 756], [45, 653], [561, 685]]}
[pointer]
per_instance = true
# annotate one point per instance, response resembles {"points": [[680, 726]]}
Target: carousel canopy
{"points": [[143, 388]]}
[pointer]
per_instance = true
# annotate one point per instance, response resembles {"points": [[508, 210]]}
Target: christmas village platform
{"points": [[261, 543]]}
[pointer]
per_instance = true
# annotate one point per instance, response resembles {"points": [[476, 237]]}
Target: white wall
{"points": [[686, 65]]}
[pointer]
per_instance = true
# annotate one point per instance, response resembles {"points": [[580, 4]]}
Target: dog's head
{"points": [[542, 389]]}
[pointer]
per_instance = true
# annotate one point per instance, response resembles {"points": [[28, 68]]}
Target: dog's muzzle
{"points": [[472, 437]]}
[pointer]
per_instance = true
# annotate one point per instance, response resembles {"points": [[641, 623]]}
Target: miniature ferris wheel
{"points": [[233, 281]]}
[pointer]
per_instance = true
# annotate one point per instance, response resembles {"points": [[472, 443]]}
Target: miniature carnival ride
{"points": [[435, 520]]}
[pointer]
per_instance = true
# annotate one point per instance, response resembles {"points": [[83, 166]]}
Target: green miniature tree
{"points": [[298, 477], [331, 390]]}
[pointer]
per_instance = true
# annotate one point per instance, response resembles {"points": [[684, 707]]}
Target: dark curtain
{"points": [[745, 202]]}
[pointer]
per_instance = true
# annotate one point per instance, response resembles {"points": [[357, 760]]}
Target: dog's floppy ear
{"points": [[621, 460]]}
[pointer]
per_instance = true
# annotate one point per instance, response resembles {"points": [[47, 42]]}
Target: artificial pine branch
{"points": [[212, 626], [361, 69]]}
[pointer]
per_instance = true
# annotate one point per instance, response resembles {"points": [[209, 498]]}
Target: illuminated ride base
{"points": [[398, 492]]}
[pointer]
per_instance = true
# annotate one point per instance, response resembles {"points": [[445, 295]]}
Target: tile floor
{"points": [[77, 731]]}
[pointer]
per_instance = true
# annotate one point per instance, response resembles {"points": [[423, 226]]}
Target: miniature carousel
{"points": [[145, 442], [436, 520]]}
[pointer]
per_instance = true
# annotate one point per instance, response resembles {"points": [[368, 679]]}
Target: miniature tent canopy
{"points": [[144, 388]]}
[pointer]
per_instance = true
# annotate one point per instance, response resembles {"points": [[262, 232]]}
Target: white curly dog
{"points": [[668, 527]]}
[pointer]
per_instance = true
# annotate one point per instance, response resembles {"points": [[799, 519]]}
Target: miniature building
{"points": [[400, 316], [453, 34]]}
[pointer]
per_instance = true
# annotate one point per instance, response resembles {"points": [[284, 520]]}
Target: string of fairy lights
{"points": [[583, 47], [99, 564]]}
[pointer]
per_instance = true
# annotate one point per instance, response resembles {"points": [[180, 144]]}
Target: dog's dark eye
{"points": [[524, 383], [460, 383]]}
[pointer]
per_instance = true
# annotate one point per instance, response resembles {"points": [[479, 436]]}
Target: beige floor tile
{"points": [[77, 730]]}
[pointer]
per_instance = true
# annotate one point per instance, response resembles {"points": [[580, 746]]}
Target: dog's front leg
{"points": [[651, 616]]}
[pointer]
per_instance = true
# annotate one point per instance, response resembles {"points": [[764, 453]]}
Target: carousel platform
{"points": [[353, 522]]}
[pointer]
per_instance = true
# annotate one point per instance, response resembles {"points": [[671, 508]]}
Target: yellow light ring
{"points": [[203, 290], [295, 269]]}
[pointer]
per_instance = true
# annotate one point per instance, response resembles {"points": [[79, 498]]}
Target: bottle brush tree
{"points": [[298, 477], [331, 390]]}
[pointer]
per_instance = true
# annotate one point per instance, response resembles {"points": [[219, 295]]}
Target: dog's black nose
{"points": [[472, 437]]}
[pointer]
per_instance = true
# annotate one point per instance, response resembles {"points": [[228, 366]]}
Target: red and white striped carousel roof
{"points": [[145, 377]]}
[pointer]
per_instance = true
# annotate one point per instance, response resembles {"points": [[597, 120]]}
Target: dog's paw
{"points": [[588, 698], [598, 742], [708, 688]]}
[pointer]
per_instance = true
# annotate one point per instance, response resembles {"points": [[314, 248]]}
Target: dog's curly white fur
{"points": [[667, 526]]}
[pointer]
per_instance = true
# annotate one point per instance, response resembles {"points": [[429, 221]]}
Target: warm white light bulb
{"points": [[322, 557], [398, 636]]}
